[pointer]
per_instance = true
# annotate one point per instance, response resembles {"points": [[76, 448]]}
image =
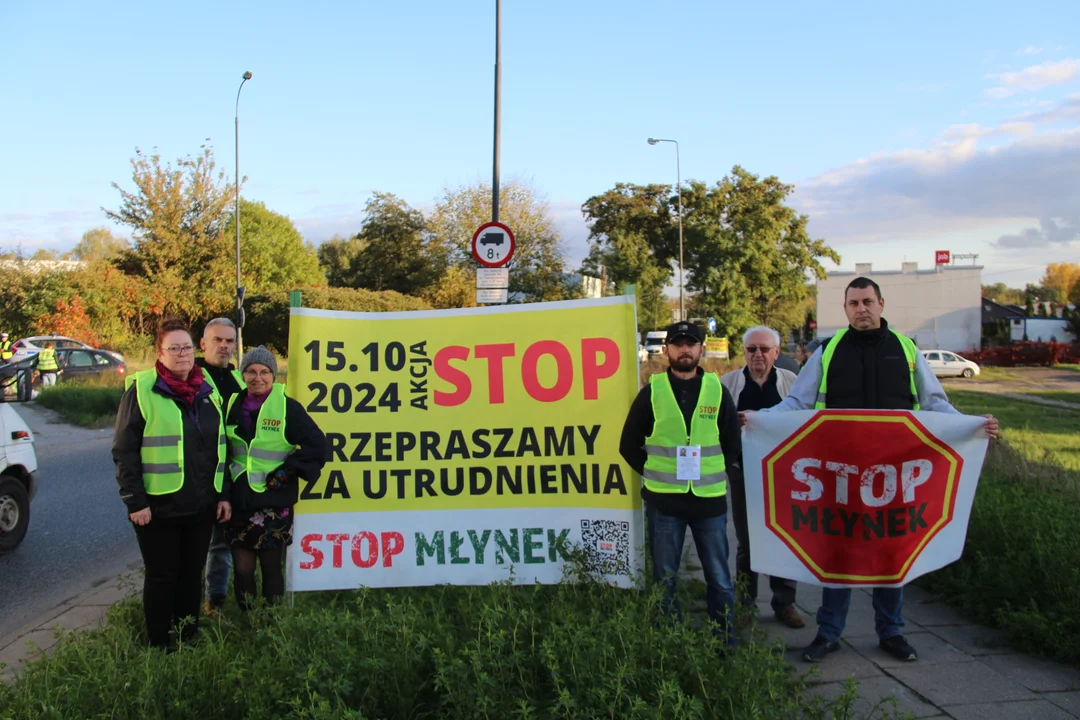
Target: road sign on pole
{"points": [[493, 245]]}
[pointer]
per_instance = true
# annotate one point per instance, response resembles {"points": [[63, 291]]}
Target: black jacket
{"points": [[869, 371], [639, 425], [223, 379], [201, 431], [305, 462]]}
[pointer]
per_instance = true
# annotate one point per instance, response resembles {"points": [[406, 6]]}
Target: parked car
{"points": [[654, 342], [947, 364], [32, 345], [18, 477], [89, 362]]}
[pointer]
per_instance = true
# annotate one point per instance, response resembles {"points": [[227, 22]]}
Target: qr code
{"points": [[607, 546]]}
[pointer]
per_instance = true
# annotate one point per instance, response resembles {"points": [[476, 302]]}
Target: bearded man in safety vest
{"points": [[867, 365], [681, 429]]}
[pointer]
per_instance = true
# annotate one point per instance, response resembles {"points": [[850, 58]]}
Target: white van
{"points": [[18, 477], [654, 342]]}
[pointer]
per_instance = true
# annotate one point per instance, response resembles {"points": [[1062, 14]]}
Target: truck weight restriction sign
{"points": [[493, 244]]}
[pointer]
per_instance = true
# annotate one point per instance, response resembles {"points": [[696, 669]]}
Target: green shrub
{"points": [[90, 402], [557, 651], [1021, 565], [268, 315]]}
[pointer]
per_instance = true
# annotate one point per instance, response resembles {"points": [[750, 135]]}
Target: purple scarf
{"points": [[249, 410]]}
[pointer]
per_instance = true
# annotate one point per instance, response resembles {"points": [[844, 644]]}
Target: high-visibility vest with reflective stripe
{"points": [[669, 432], [236, 376], [910, 352], [47, 360], [162, 449], [268, 449], [5, 350]]}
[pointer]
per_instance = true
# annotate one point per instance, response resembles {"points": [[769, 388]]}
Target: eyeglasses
{"points": [[751, 349], [176, 350]]}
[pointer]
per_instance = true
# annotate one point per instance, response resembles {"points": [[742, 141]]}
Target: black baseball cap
{"points": [[685, 329]]}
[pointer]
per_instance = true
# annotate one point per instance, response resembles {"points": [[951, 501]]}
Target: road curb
{"points": [[79, 612]]}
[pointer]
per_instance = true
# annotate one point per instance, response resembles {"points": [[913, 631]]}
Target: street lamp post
{"points": [[678, 182], [236, 222]]}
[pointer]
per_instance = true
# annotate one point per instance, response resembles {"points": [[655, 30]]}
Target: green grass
{"points": [[1040, 433], [574, 650], [90, 403], [999, 374], [1021, 565], [1068, 366]]}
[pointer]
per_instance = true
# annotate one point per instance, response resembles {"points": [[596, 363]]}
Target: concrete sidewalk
{"points": [[78, 613], [964, 671]]}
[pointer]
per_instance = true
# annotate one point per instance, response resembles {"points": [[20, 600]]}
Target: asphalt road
{"points": [[79, 534]]}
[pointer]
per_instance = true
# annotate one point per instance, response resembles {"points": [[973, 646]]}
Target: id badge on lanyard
{"points": [[688, 462]]}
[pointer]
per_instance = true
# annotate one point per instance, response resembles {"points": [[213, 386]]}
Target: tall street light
{"points": [[236, 222], [678, 182]]}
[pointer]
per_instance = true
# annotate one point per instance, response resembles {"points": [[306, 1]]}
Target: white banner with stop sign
{"points": [[859, 497]]}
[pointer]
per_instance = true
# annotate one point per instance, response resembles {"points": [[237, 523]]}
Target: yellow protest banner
{"points": [[487, 435]]}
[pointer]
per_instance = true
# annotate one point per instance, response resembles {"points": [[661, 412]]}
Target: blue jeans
{"points": [[218, 565], [666, 537], [888, 612]]}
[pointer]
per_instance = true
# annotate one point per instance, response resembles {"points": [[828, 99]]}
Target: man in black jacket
{"points": [[868, 368], [669, 513], [218, 344]]}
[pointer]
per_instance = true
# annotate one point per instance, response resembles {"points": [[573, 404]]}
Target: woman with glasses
{"points": [[169, 449], [273, 444]]}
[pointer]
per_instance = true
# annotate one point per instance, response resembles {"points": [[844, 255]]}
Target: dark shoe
{"points": [[789, 616], [817, 650], [897, 647]]}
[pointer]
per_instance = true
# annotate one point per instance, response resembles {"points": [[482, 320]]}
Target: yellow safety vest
{"points": [[5, 350], [669, 432], [910, 352], [47, 360], [236, 376], [268, 448], [162, 450]]}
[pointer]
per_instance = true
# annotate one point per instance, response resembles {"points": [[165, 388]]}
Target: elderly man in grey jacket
{"points": [[757, 386]]}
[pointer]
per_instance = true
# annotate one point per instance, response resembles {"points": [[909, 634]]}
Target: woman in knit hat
{"points": [[273, 443]]}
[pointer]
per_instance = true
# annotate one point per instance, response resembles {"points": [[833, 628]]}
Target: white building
{"points": [[1039, 329], [937, 308]]}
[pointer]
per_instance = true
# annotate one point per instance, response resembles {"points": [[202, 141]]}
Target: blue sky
{"points": [[906, 128]]}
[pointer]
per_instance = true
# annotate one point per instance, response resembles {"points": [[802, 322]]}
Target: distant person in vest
{"points": [[218, 345], [273, 443], [757, 386], [867, 366], [169, 450], [47, 365], [682, 436], [6, 353]]}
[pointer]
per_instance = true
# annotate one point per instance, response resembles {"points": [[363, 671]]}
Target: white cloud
{"points": [[1029, 50], [1027, 181], [1035, 77]]}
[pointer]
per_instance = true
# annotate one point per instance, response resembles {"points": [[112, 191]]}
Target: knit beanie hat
{"points": [[260, 356]]}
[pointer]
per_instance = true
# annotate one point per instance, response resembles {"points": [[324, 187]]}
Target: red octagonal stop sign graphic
{"points": [[858, 494]]}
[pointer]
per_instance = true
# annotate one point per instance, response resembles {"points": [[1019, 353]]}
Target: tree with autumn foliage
{"points": [[177, 215], [538, 269], [1063, 282]]}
